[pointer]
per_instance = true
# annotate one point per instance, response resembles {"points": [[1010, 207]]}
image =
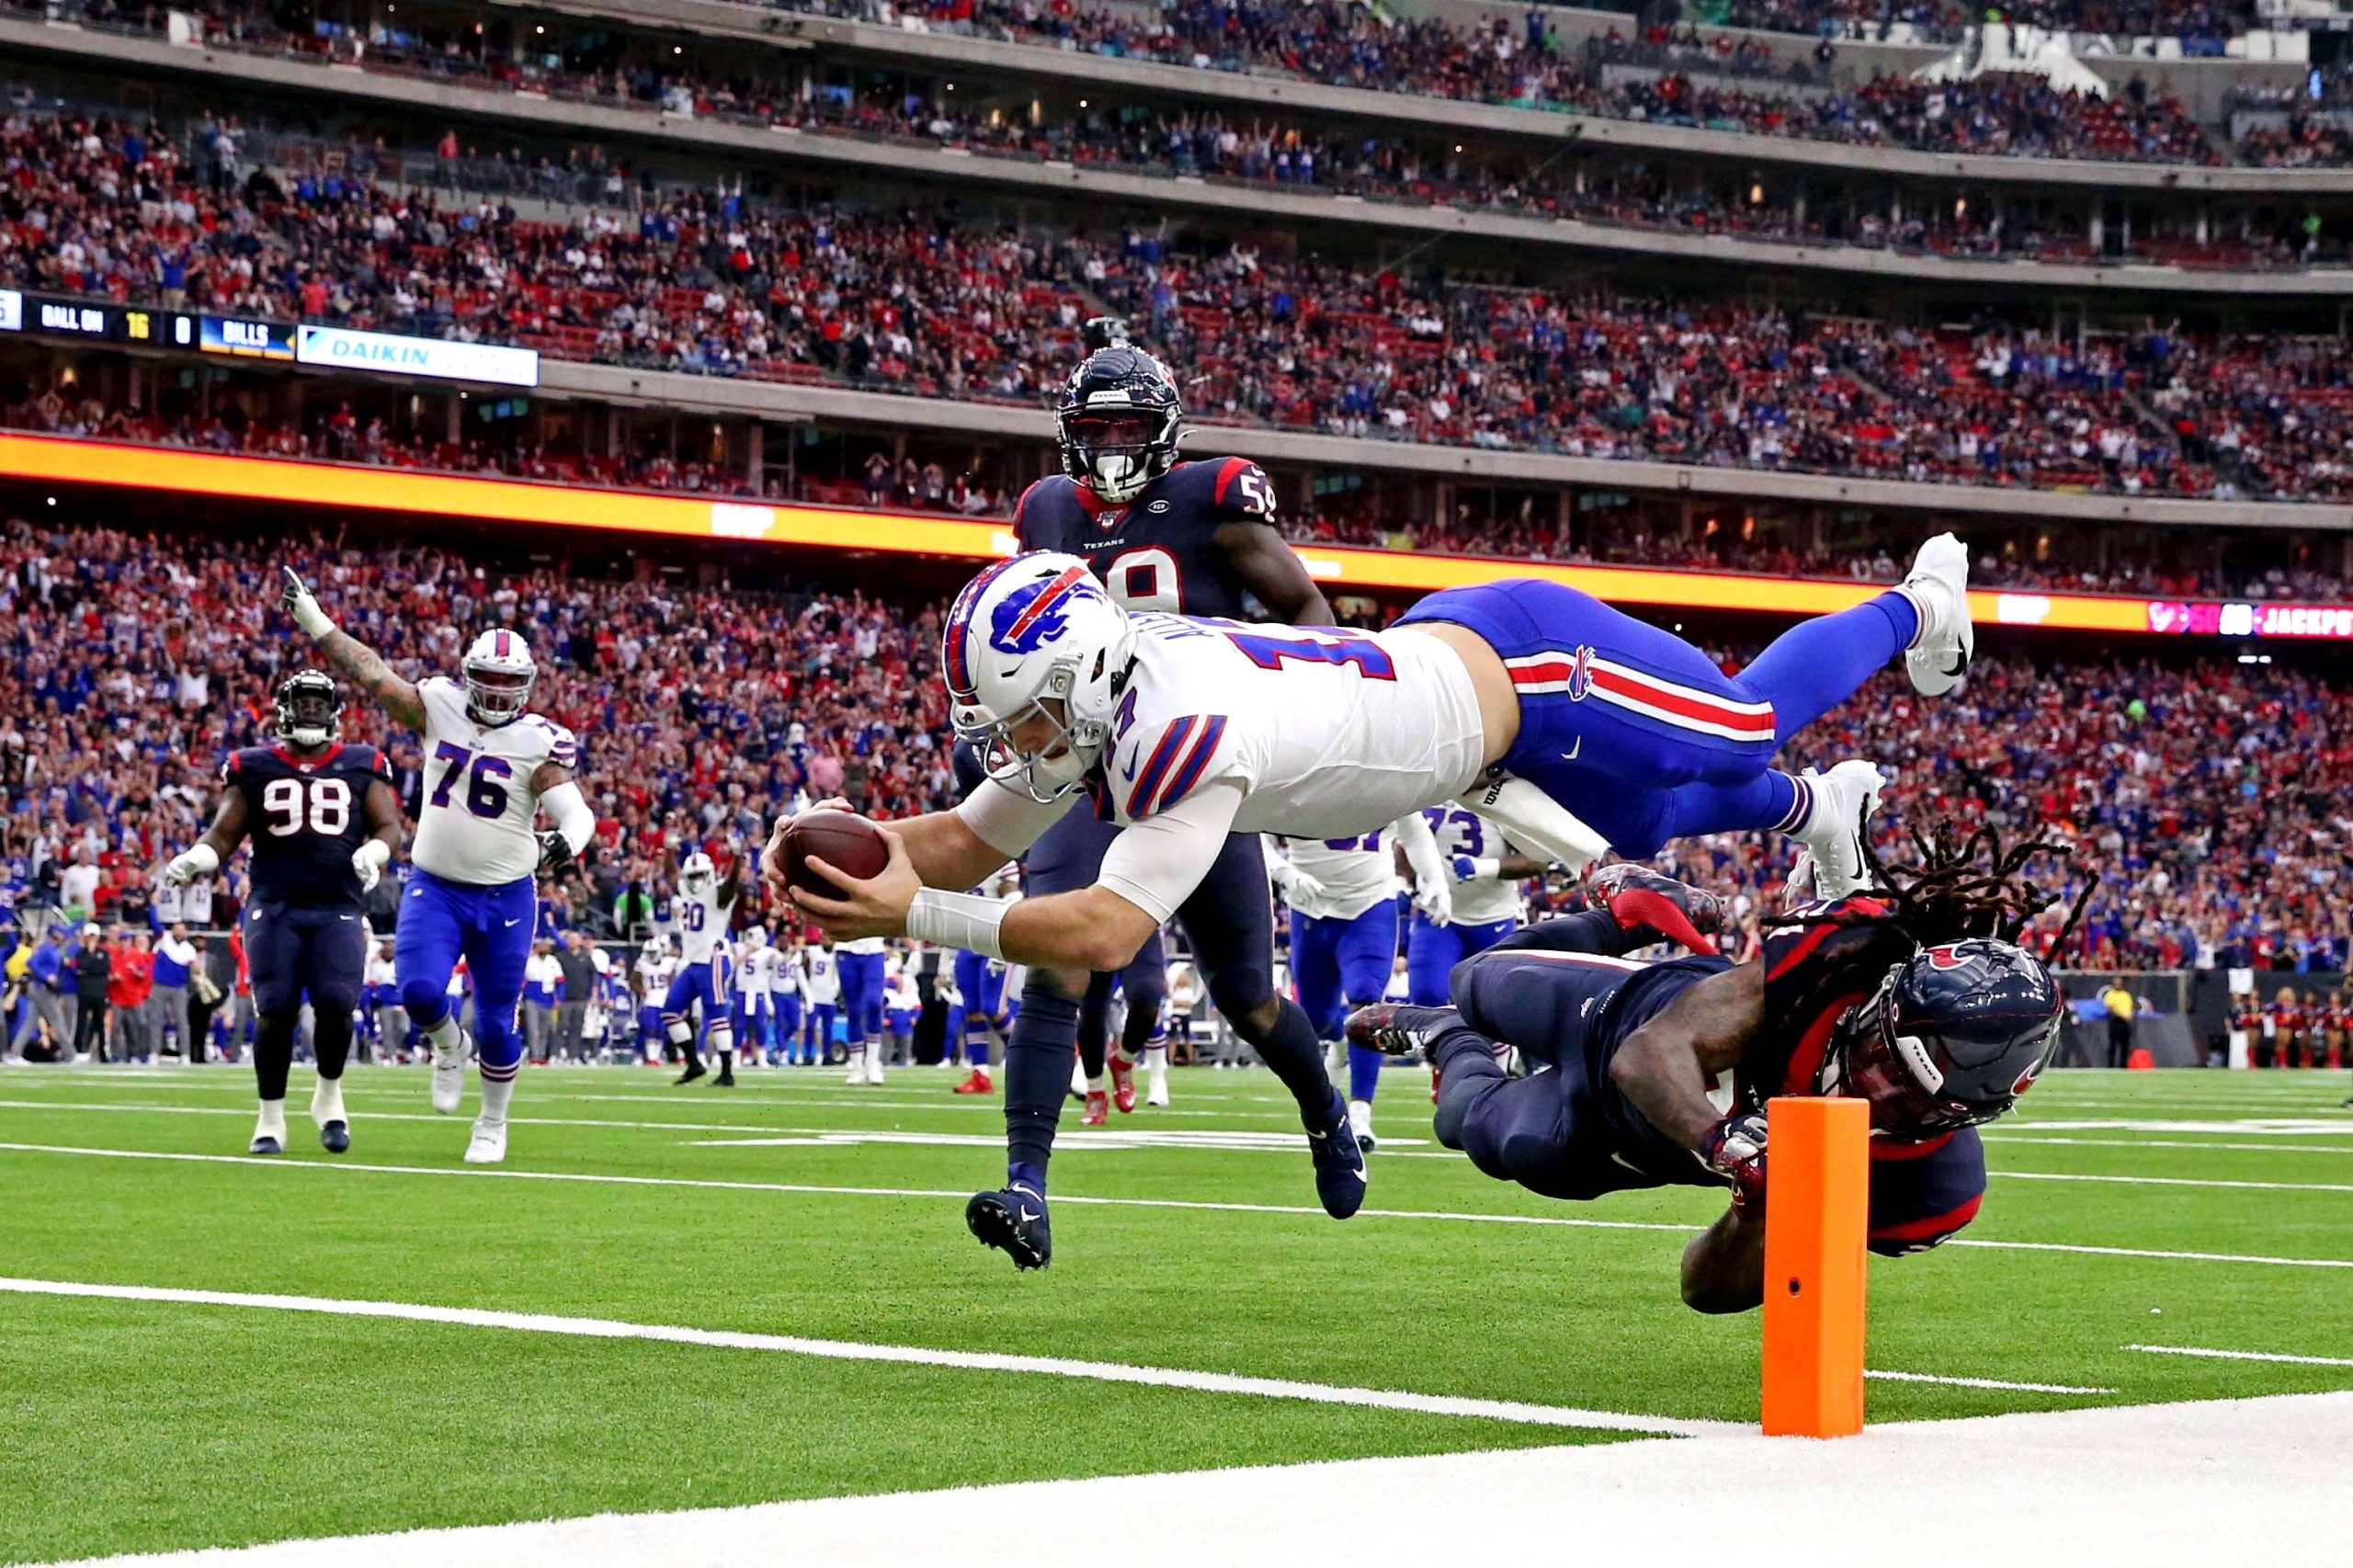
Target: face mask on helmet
{"points": [[1908, 1067], [497, 695], [308, 713], [1035, 749]]}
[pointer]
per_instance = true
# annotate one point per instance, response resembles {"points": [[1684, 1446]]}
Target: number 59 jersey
{"points": [[475, 825], [305, 820], [1332, 734]]}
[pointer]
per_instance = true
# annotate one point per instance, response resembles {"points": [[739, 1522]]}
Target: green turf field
{"points": [[130, 1424]]}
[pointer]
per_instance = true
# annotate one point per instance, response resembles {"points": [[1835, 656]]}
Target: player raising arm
{"points": [[324, 824], [489, 768]]}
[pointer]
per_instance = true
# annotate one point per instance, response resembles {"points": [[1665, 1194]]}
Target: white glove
{"points": [[297, 601], [1293, 884], [367, 861], [191, 864], [1436, 901]]}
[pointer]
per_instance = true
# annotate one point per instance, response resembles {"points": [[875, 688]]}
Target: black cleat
{"points": [[694, 1069], [1340, 1173], [264, 1145], [1393, 1028], [726, 1079], [1013, 1222], [334, 1136], [1636, 895]]}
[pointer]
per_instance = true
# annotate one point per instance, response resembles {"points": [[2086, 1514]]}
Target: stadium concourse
{"points": [[722, 285]]}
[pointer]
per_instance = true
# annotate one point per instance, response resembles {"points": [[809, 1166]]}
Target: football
{"points": [[844, 840]]}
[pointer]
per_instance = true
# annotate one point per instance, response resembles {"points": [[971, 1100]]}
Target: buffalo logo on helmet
{"points": [[1036, 613]]}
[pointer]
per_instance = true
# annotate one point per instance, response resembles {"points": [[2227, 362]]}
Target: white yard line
{"points": [[915, 1355], [743, 1135], [1980, 1383], [2243, 1355], [1442, 1216], [2135, 1486], [1998, 1139], [2175, 1181]]}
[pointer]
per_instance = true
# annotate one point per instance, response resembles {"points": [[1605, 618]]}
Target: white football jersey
{"points": [[862, 945], [824, 985], [379, 972], [476, 826], [1332, 734], [1483, 901], [702, 925], [787, 974], [1352, 874], [753, 967], [653, 976]]}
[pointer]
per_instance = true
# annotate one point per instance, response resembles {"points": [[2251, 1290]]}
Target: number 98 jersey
{"points": [[305, 820], [475, 825]]}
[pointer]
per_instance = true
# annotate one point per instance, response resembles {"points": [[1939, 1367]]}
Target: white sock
{"points": [[1156, 1063], [271, 1123], [446, 1035], [326, 1101], [1096, 1084], [494, 1097]]}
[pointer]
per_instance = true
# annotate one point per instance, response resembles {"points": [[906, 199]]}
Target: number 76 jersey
{"points": [[476, 824]]}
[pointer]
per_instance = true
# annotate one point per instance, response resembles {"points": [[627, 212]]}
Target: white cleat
{"points": [[873, 1067], [1938, 584], [857, 1069], [488, 1145], [1157, 1095], [1844, 799], [449, 1076], [1360, 1123]]}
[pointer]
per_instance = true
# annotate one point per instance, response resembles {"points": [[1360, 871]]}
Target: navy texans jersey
{"points": [[1584, 1006], [1158, 551], [305, 820]]}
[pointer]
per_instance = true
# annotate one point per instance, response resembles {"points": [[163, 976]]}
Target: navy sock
{"points": [[1037, 1076], [1295, 1054]]}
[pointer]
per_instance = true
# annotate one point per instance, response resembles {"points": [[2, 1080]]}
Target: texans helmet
{"points": [[310, 711], [1953, 1036], [1118, 422]]}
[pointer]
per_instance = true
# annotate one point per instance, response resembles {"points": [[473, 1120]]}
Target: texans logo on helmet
{"points": [[1945, 957], [1031, 616]]}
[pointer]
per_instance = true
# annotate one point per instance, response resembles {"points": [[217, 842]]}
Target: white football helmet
{"points": [[499, 676], [1035, 628], [696, 873], [658, 945]]}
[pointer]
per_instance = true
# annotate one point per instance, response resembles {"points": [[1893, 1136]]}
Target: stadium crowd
{"points": [[2208, 796], [1517, 60], [2168, 565], [704, 281]]}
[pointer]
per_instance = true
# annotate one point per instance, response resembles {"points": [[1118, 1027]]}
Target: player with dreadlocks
{"points": [[1919, 1000]]}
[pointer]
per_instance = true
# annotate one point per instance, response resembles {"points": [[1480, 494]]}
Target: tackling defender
{"points": [[1658, 1073], [1185, 730], [490, 767], [702, 982], [324, 824]]}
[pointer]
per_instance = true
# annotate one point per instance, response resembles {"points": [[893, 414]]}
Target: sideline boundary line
{"points": [[851, 1351]]}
